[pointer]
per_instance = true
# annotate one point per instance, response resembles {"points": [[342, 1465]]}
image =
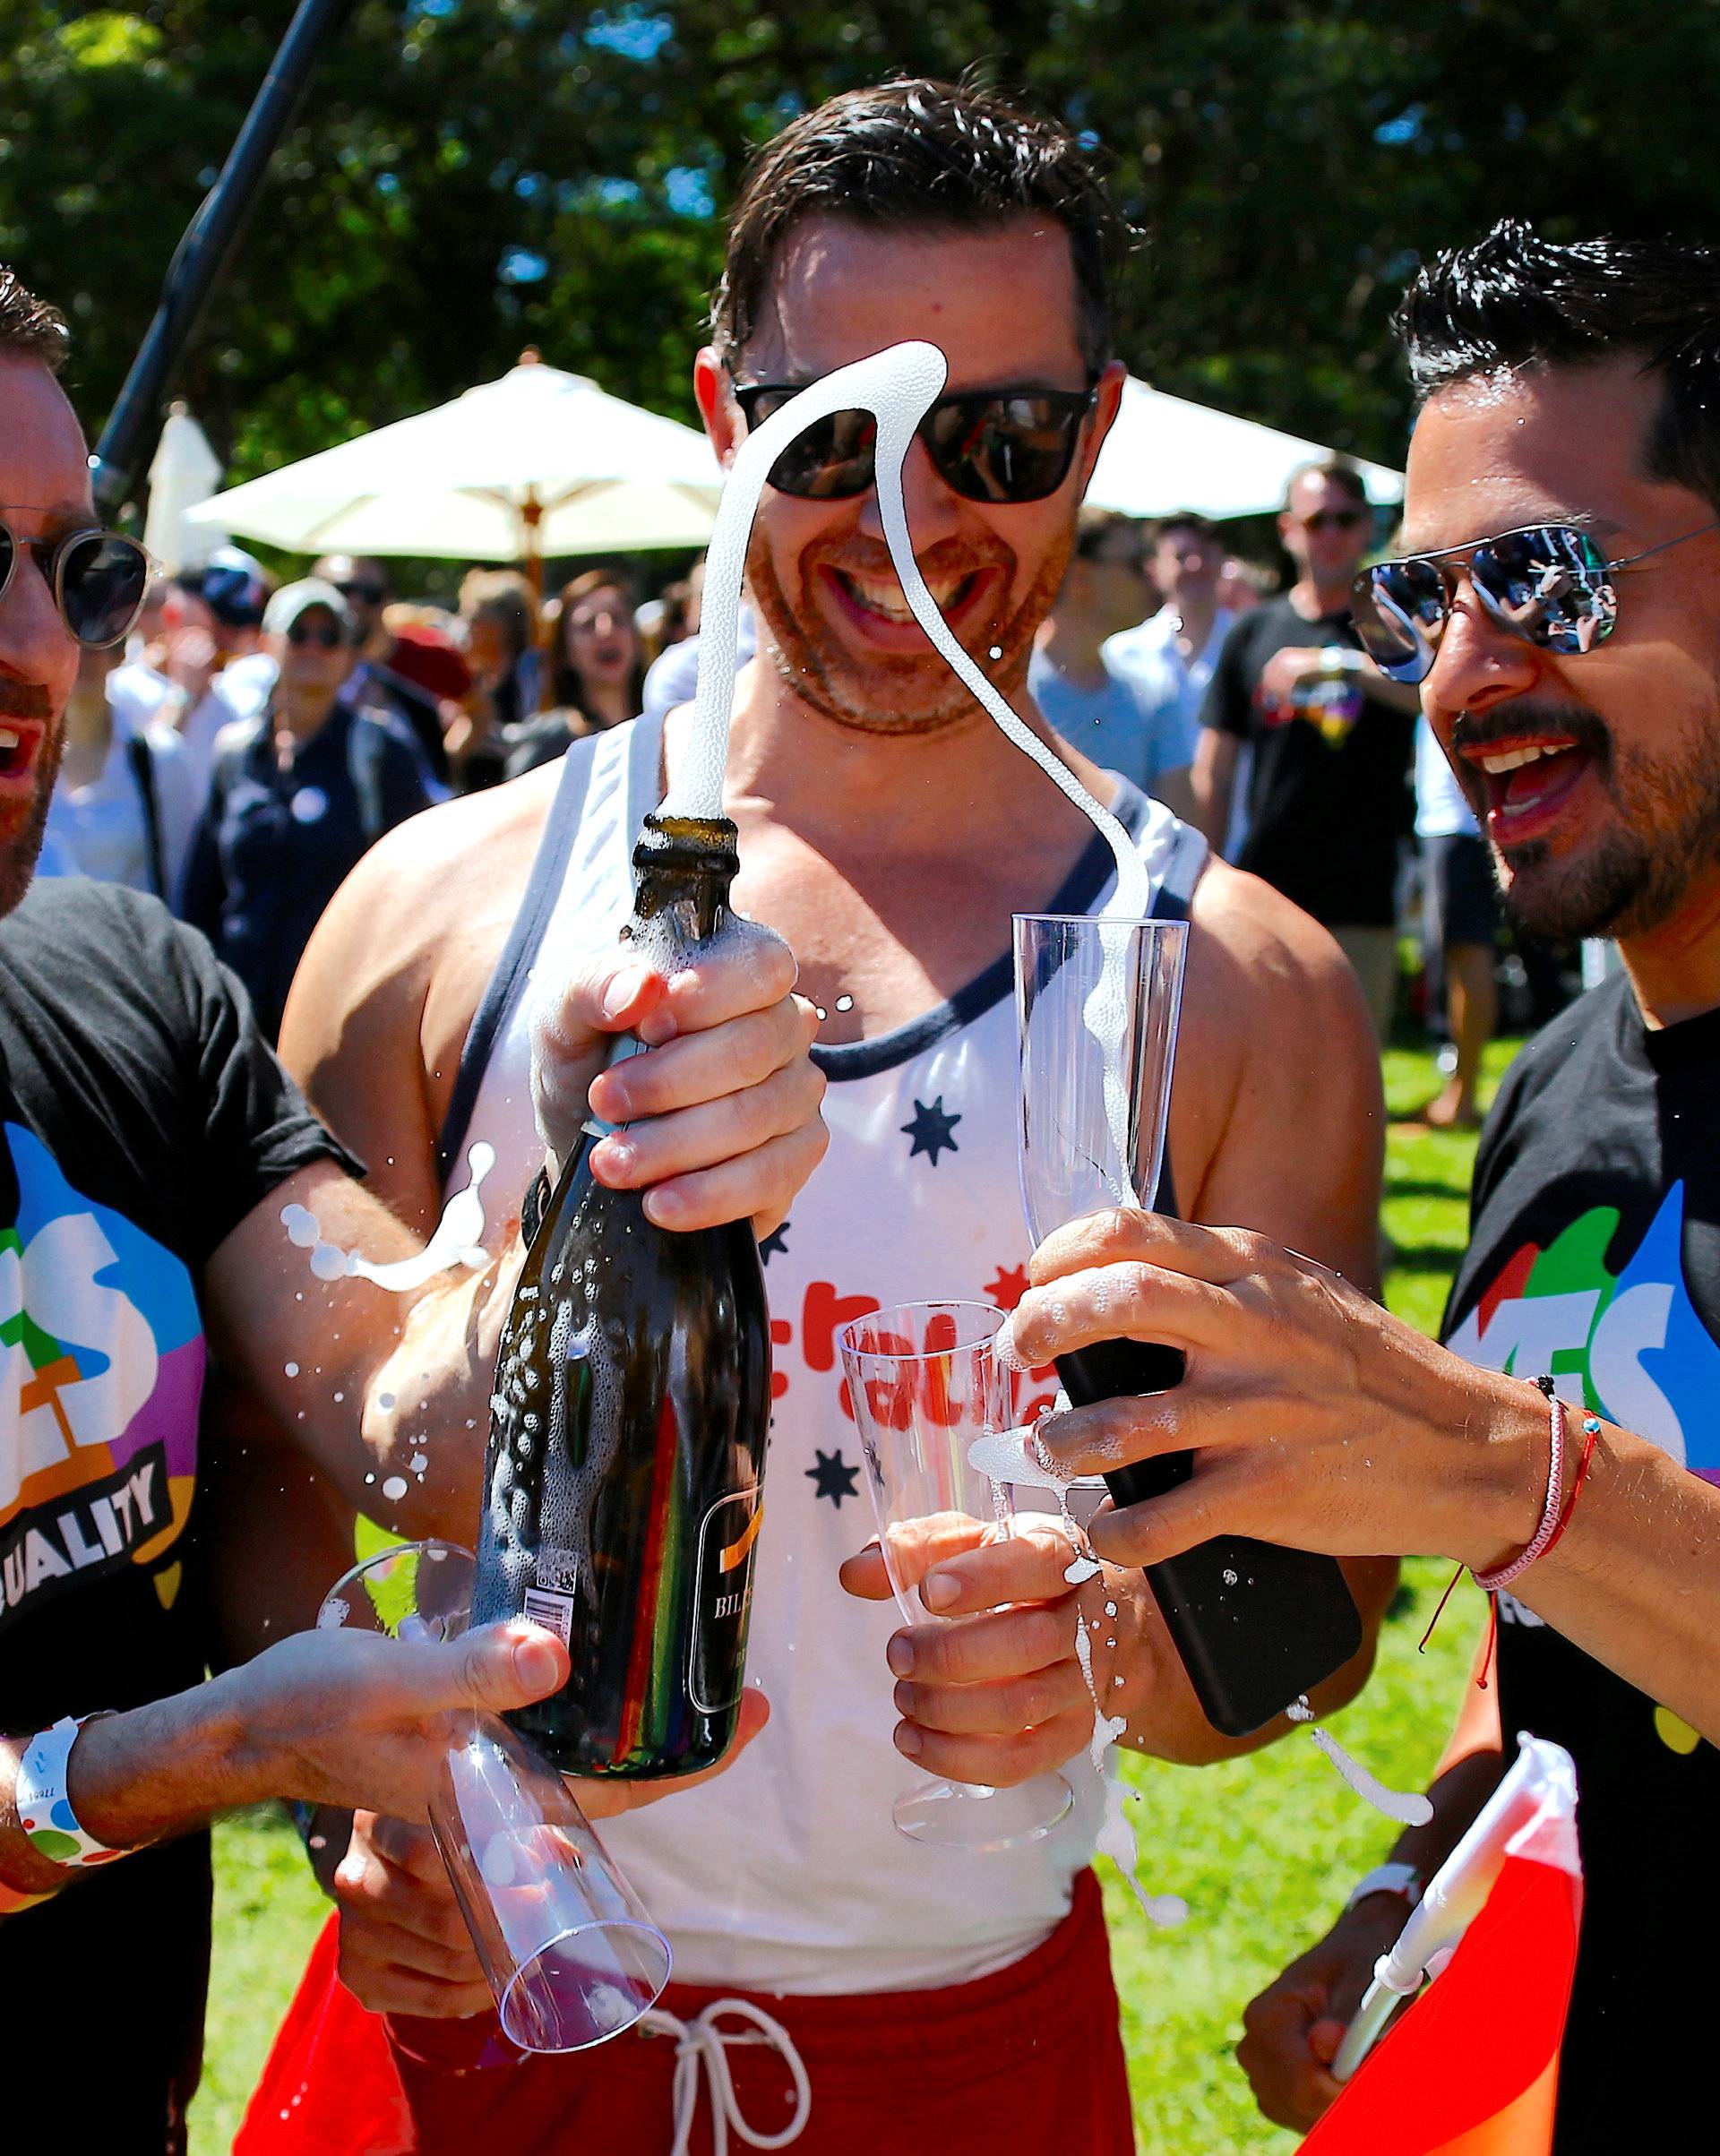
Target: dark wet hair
{"points": [[919, 156], [1513, 299]]}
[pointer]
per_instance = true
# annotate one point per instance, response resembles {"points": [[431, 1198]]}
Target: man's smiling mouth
{"points": [[884, 596], [1527, 782]]}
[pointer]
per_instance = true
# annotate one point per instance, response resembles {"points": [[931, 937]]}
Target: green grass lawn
{"points": [[1263, 1850]]}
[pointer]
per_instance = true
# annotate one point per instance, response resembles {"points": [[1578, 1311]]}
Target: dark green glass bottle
{"points": [[623, 1480]]}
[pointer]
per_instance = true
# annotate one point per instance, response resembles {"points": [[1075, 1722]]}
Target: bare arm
{"points": [[333, 1718], [1287, 1364], [1212, 778]]}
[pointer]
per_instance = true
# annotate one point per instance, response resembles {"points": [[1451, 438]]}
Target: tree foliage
{"points": [[468, 176]]}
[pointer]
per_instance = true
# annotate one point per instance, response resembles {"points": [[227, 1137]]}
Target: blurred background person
{"points": [[663, 620], [1177, 647], [217, 660], [368, 584], [425, 653], [497, 627], [1461, 920], [297, 796], [1329, 797], [1243, 585], [595, 672], [1126, 722], [125, 802]]}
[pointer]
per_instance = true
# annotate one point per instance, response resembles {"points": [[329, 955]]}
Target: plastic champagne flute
{"points": [[1097, 1004], [569, 1953], [925, 1384]]}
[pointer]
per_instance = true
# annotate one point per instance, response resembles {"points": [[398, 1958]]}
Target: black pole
{"points": [[202, 253]]}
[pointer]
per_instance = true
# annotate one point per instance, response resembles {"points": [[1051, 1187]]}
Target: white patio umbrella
{"points": [[1164, 453], [183, 473], [539, 463]]}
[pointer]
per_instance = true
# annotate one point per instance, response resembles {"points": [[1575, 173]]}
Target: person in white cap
{"points": [[297, 796]]}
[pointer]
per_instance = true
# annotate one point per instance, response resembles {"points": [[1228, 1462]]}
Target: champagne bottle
{"points": [[628, 1424]]}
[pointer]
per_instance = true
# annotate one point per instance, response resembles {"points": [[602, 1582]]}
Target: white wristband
{"points": [[44, 1810], [1396, 1878]]}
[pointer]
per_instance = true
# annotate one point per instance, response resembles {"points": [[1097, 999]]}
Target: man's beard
{"points": [[19, 852], [1635, 878], [820, 670]]}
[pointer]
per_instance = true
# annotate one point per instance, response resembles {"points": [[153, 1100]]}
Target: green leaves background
{"points": [[466, 176]]}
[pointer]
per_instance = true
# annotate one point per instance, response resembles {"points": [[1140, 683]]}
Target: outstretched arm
{"points": [[1323, 1420], [331, 1717]]}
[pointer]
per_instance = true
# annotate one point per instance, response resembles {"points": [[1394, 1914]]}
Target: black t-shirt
{"points": [[1329, 787], [141, 1117], [1595, 1256]]}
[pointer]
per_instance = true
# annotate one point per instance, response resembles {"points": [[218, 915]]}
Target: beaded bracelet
{"points": [[1502, 1576]]}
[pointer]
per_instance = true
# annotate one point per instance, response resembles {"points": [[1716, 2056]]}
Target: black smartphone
{"points": [[1255, 1624]]}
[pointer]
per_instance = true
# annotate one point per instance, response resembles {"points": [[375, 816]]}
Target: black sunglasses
{"points": [[1338, 520], [329, 635], [990, 445], [1549, 584], [365, 595], [98, 580]]}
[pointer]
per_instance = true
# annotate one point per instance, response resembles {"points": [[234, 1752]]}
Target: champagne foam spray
{"points": [[898, 387]]}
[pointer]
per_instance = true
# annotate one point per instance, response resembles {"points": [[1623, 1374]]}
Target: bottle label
{"points": [[554, 1612], [728, 1537], [550, 1604]]}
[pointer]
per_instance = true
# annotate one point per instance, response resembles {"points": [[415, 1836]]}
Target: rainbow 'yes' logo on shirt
{"points": [[103, 1355], [1644, 1358]]}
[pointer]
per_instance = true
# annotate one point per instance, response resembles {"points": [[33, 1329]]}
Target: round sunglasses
{"points": [[97, 579], [990, 445], [1548, 584]]}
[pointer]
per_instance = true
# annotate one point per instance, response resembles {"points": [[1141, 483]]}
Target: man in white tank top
{"points": [[888, 831]]}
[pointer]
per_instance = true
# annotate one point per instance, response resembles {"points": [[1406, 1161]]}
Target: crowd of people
{"points": [[252, 743], [388, 823]]}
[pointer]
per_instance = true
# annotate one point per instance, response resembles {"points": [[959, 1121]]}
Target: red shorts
{"points": [[1023, 2063]]}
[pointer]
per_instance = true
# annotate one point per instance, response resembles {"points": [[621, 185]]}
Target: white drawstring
{"points": [[701, 2039]]}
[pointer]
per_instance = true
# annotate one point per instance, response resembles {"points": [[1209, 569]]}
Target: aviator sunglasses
{"points": [[98, 580], [1548, 584], [990, 445]]}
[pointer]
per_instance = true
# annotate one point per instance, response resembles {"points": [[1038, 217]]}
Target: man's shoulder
{"points": [[433, 865], [71, 940], [1270, 941], [1265, 982]]}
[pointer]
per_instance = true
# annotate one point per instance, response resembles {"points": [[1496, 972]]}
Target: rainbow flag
{"points": [[1472, 2069]]}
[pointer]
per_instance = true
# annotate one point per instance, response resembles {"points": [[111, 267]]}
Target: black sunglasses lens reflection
{"points": [[987, 448], [830, 461], [102, 583], [326, 634], [1004, 449]]}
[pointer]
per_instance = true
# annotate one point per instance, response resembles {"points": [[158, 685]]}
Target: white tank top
{"points": [[785, 1873]]}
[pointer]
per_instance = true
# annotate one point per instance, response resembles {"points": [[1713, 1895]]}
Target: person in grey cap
{"points": [[296, 795]]}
